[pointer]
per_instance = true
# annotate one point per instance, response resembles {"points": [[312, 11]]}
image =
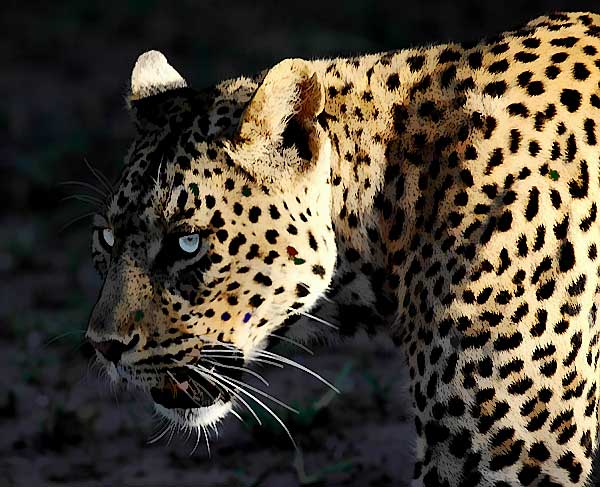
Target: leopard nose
{"points": [[112, 350]]}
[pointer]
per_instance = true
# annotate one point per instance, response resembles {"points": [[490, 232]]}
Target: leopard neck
{"points": [[370, 101]]}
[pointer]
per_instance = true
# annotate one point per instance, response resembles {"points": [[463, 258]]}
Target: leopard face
{"points": [[211, 240]]}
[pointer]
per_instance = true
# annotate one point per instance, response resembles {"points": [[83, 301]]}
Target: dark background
{"points": [[64, 71]]}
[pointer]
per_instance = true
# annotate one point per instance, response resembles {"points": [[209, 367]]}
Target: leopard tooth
{"points": [[152, 74]]}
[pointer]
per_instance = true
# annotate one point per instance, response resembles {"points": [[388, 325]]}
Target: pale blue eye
{"points": [[189, 243], [108, 237]]}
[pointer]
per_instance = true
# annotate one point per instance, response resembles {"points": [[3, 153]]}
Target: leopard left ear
{"points": [[151, 75], [154, 85]]}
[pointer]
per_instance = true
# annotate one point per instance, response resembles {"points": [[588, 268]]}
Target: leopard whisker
{"points": [[267, 408], [237, 383], [236, 415], [238, 397], [161, 422], [85, 198], [243, 369], [293, 363], [316, 318], [231, 352], [198, 434], [245, 403], [171, 434], [207, 442], [63, 335], [216, 381], [293, 342], [230, 348], [99, 176], [89, 186], [253, 359], [169, 426], [188, 432], [76, 219]]}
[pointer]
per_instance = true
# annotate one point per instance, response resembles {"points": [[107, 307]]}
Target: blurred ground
{"points": [[65, 67]]}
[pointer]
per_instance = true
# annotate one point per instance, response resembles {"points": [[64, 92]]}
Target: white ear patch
{"points": [[152, 74]]}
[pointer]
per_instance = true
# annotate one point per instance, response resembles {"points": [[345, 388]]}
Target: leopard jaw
{"points": [[200, 417], [185, 418]]}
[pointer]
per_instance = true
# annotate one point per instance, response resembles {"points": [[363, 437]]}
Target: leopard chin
{"points": [[197, 417]]}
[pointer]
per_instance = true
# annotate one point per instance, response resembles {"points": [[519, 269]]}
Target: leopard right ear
{"points": [[291, 92], [153, 80], [279, 136]]}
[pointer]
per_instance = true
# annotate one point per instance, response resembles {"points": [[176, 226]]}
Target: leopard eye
{"points": [[189, 243], [107, 237]]}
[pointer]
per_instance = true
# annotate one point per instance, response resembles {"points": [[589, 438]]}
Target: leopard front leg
{"points": [[505, 400]]}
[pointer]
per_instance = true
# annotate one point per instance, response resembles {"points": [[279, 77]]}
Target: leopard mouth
{"points": [[198, 393], [184, 388], [188, 399]]}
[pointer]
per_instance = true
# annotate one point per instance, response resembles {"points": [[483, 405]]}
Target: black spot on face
{"points": [[532, 204], [524, 78], [525, 57], [448, 76], [222, 235], [271, 236], [274, 212], [495, 88], [564, 41], [474, 59], [519, 109], [216, 220], [531, 43], [236, 242], [498, 66], [256, 300], [301, 291], [499, 48], [449, 55], [393, 82], [254, 214], [210, 201], [415, 63], [312, 242], [182, 199], [318, 270], [263, 279], [570, 99]]}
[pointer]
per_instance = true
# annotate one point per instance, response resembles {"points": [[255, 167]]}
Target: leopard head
{"points": [[218, 231]]}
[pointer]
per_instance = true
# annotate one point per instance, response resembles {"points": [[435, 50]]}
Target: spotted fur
{"points": [[445, 194]]}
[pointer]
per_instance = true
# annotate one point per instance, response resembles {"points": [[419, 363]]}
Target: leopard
{"points": [[443, 195]]}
